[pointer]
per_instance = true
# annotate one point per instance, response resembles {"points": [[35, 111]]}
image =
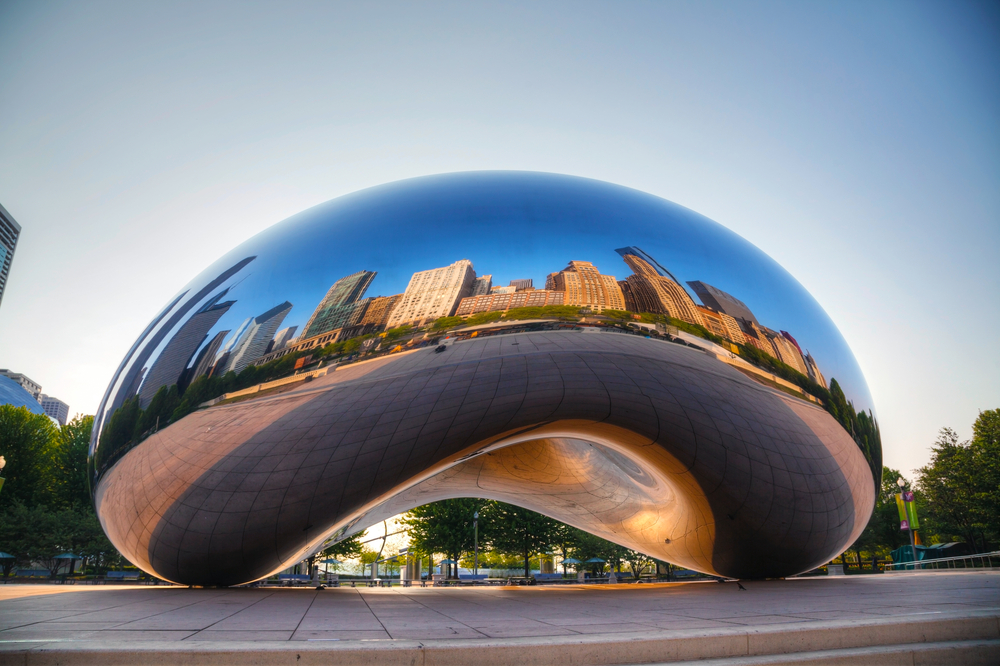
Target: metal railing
{"points": [[977, 561]]}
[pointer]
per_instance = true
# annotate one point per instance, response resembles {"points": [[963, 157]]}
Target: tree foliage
{"points": [[513, 530], [444, 527], [961, 484], [28, 443], [45, 509]]}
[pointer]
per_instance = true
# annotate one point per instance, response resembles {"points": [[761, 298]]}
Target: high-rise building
{"points": [[32, 387], [150, 339], [337, 306], [12, 393], [379, 310], [584, 285], [788, 336], [283, 337], [721, 324], [253, 341], [814, 373], [786, 352], [722, 302], [206, 357], [657, 267], [337, 317], [482, 285], [174, 359], [535, 298], [10, 230], [647, 290], [55, 408], [433, 294], [522, 285], [754, 336]]}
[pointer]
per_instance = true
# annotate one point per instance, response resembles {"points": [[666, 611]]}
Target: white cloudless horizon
{"points": [[856, 144]]}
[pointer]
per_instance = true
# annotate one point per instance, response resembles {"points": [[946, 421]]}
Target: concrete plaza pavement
{"points": [[37, 620]]}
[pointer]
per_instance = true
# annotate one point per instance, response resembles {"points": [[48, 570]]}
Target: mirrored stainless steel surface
{"points": [[588, 351]]}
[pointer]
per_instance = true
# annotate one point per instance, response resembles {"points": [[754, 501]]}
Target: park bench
{"points": [[34, 573], [292, 579], [122, 575]]}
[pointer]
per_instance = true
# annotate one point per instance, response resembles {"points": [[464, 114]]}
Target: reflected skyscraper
{"points": [[522, 285], [814, 373], [256, 335], [654, 265], [174, 358], [378, 311], [482, 285], [337, 306], [723, 302], [433, 294], [647, 290], [207, 356], [149, 341], [282, 338], [584, 285]]}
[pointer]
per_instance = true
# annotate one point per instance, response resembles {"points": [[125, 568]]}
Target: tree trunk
{"points": [[527, 563]]}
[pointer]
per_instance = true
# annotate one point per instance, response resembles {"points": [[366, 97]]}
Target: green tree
{"points": [[444, 527], [961, 484], [70, 464], [346, 548], [512, 530], [27, 442]]}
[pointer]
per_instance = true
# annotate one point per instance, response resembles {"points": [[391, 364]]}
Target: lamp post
{"points": [[909, 527], [475, 532]]}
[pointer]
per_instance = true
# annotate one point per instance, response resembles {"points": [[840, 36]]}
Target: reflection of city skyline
{"points": [[456, 290]]}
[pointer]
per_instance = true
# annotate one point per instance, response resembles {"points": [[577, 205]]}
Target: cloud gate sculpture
{"points": [[594, 353]]}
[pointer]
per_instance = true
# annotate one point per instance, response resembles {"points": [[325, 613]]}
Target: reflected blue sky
{"points": [[512, 225]]}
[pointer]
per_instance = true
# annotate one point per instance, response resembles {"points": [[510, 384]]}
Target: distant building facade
{"points": [[722, 325], [432, 294], [32, 387], [253, 341], [501, 302], [786, 352], [206, 358], [584, 285], [722, 302], [503, 290], [482, 285], [55, 408], [522, 285], [283, 337], [379, 310], [10, 231], [814, 373], [646, 290], [175, 357], [341, 305], [12, 393]]}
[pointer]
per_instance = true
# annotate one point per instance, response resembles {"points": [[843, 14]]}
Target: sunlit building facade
{"points": [[433, 294], [648, 291], [584, 285]]}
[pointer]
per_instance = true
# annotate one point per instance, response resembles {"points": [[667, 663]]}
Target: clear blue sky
{"points": [[856, 143]]}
